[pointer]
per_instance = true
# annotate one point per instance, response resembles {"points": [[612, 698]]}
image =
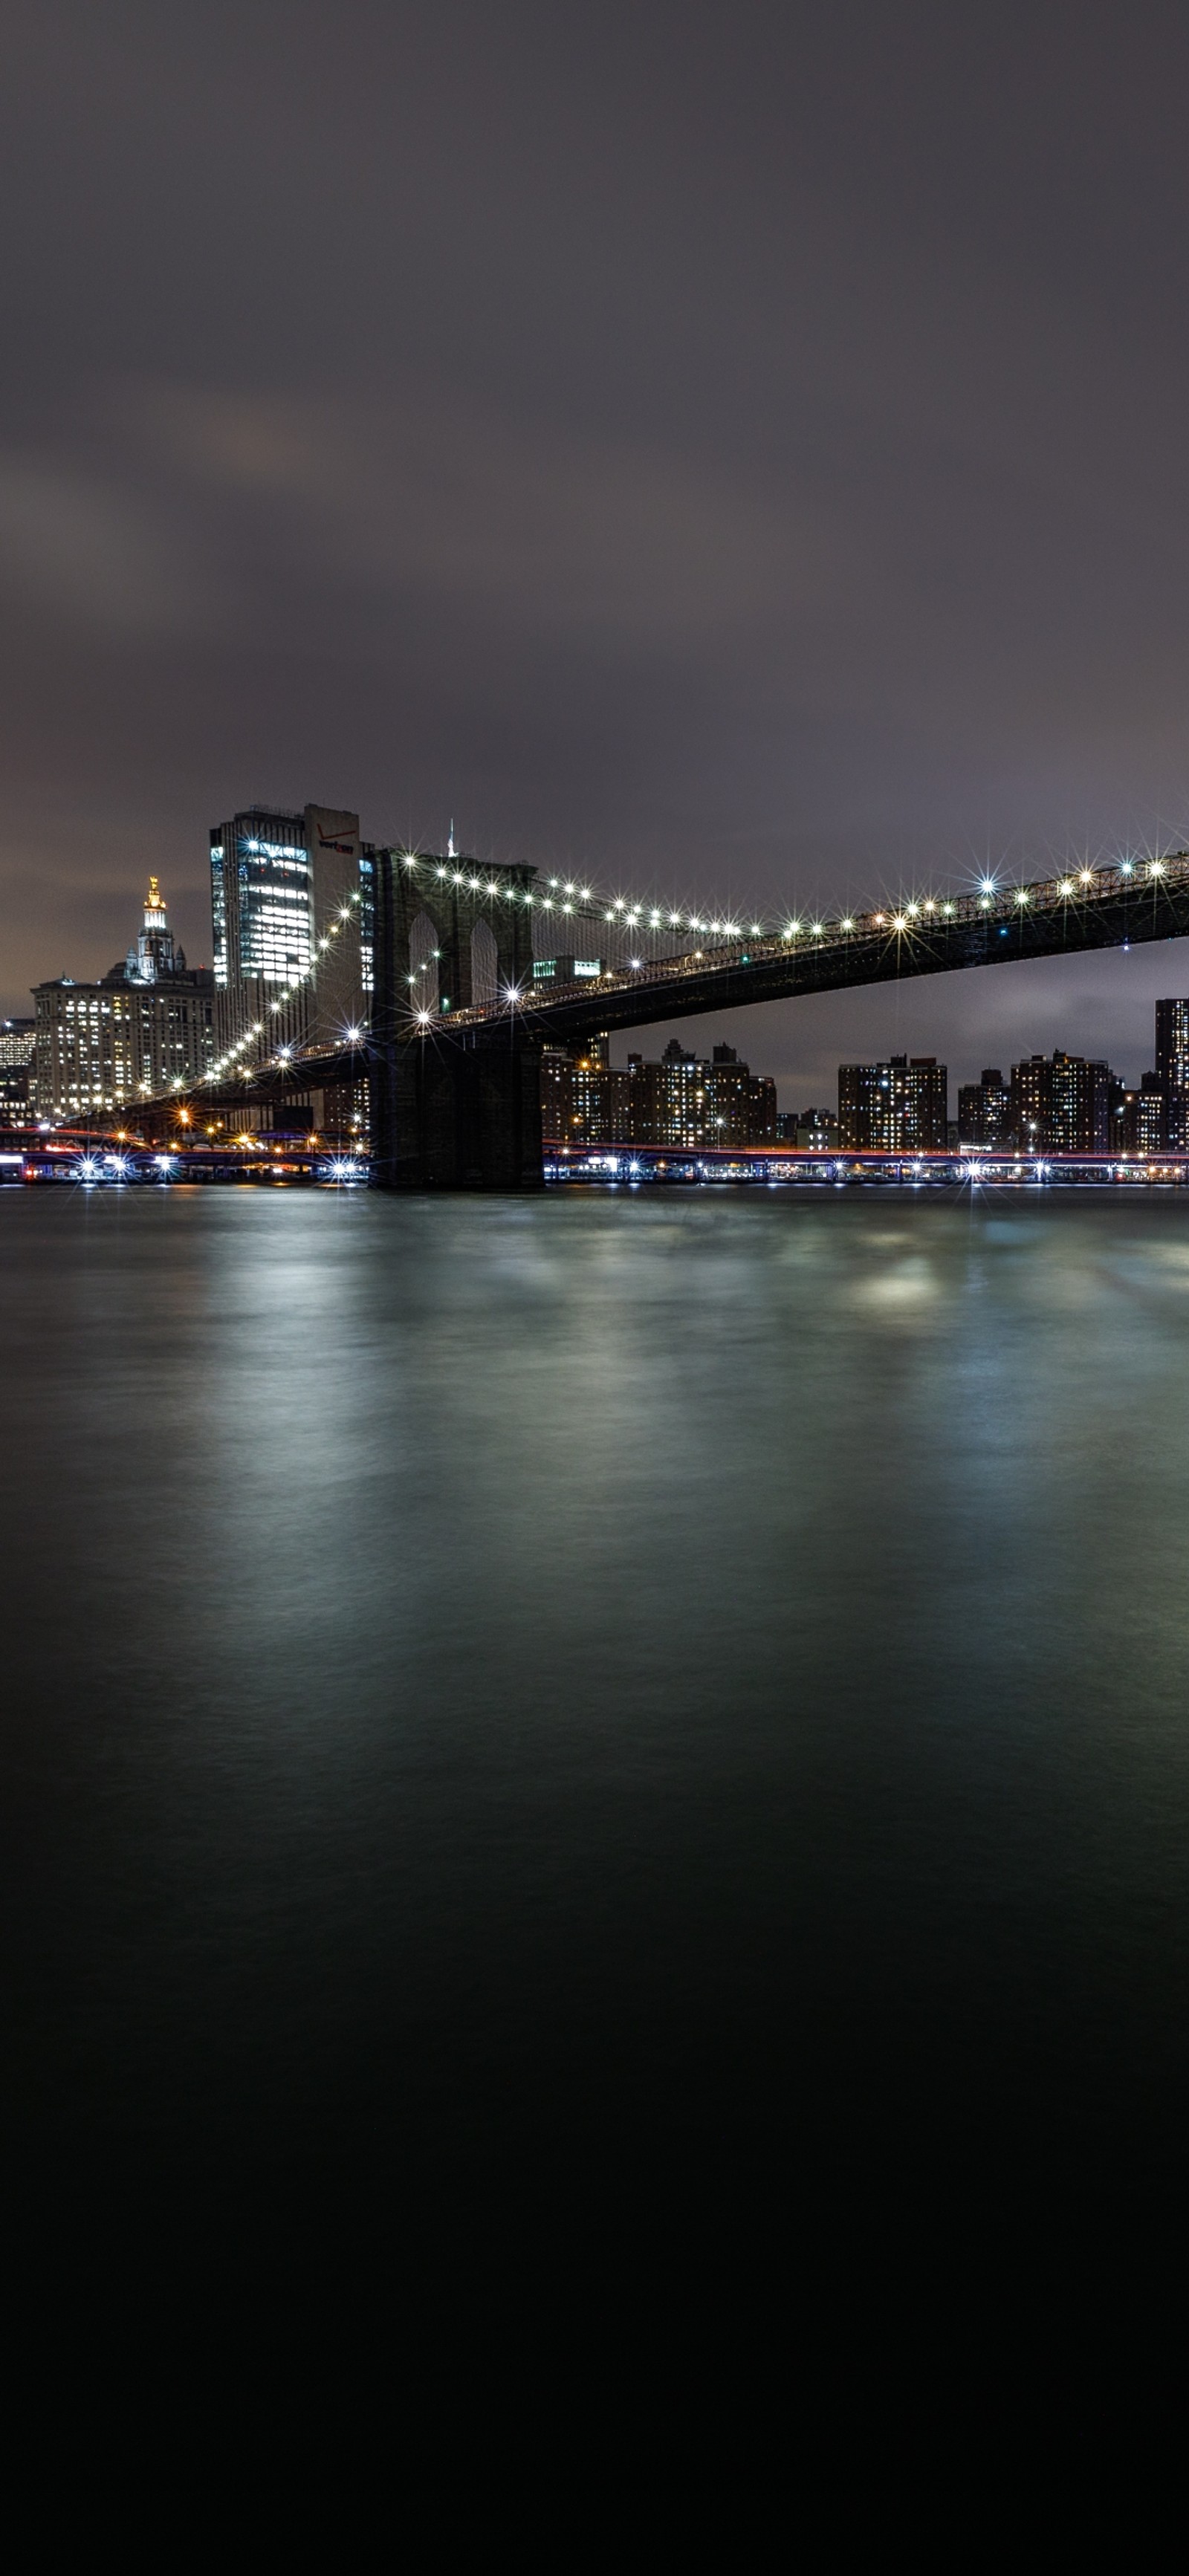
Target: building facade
{"points": [[1061, 1104], [984, 1109], [17, 1040], [584, 1098], [1172, 1067], [682, 1100], [685, 1100], [815, 1131], [144, 1027], [896, 1107], [1149, 1136], [292, 919]]}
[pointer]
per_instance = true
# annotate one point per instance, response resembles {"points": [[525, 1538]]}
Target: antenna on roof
{"points": [[451, 852]]}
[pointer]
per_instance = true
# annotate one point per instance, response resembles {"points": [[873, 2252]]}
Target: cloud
{"points": [[72, 546], [575, 535]]}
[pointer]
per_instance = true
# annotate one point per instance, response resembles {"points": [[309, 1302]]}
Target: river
{"points": [[596, 1700]]}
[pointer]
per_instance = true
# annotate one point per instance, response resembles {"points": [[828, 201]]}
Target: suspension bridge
{"points": [[453, 1050]]}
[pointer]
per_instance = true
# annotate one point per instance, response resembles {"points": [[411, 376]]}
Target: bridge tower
{"points": [[452, 1111]]}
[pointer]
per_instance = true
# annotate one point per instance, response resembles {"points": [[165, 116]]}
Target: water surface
{"points": [[596, 1696]]}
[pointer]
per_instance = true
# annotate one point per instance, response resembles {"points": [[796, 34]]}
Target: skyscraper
{"points": [[1172, 1067], [290, 892]]}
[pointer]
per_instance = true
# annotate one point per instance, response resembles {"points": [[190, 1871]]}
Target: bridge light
{"points": [[492, 887], [585, 893], [423, 1018], [912, 910], [635, 963], [674, 921], [898, 921], [847, 923], [512, 994], [1022, 894], [1085, 876], [443, 872], [816, 928], [1157, 868], [1126, 870], [409, 861], [947, 908], [1066, 886], [930, 905], [984, 903]]}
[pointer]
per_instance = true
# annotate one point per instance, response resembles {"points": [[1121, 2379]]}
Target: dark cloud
{"points": [[727, 450]]}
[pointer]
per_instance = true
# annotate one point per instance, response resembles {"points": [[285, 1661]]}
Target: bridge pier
{"points": [[451, 1114]]}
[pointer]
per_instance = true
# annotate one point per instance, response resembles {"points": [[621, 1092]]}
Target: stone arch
{"points": [[425, 904], [424, 962], [485, 964]]}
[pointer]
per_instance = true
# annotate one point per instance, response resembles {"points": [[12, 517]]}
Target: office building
{"points": [[984, 1109], [290, 892], [1172, 1067], [896, 1107], [143, 1027]]}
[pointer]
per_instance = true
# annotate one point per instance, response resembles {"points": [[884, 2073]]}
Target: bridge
{"points": [[452, 1057]]}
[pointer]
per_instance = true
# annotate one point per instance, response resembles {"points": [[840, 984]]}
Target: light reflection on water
{"points": [[597, 1684]]}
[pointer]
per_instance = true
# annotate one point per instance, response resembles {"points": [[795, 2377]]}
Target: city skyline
{"points": [[986, 1014], [298, 890]]}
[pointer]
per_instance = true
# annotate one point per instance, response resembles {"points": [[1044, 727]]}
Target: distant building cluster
{"points": [[1070, 1104], [682, 1099], [1047, 1104]]}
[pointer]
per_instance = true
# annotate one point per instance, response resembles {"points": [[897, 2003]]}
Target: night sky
{"points": [[737, 452]]}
